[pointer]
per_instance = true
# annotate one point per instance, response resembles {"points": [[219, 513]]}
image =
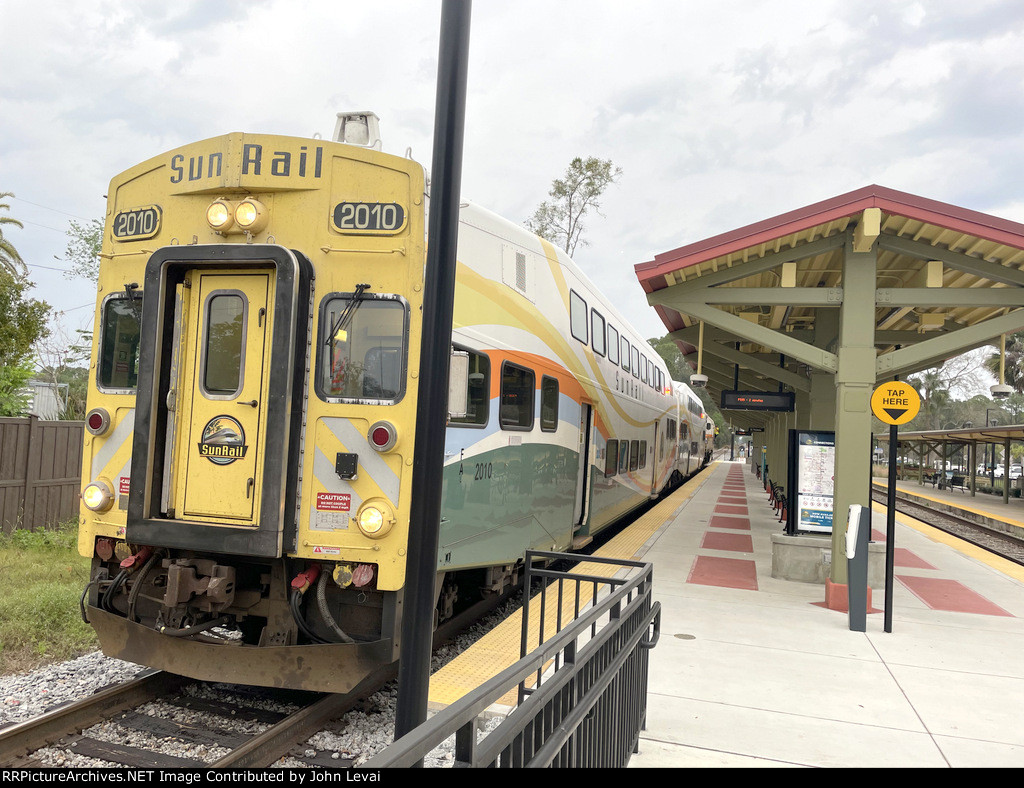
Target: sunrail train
{"points": [[253, 398]]}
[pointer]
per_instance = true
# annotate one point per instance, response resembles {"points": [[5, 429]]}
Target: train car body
{"points": [[253, 400]]}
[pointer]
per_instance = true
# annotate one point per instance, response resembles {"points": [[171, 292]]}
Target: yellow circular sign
{"points": [[895, 402]]}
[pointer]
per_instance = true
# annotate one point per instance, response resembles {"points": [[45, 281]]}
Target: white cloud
{"points": [[720, 114]]}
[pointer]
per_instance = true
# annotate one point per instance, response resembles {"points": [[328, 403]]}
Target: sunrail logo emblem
{"points": [[223, 441]]}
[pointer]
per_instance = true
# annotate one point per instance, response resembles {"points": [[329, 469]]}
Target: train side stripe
{"points": [[122, 432]]}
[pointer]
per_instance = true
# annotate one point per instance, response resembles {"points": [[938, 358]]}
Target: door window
{"points": [[224, 351]]}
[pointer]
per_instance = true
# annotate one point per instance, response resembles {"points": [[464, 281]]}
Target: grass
{"points": [[42, 577]]}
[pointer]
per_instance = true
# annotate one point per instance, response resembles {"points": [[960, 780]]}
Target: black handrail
{"points": [[586, 710]]}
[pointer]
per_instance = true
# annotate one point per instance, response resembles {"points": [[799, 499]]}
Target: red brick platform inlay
{"points": [[736, 523], [737, 543], [903, 557], [950, 595], [724, 572]]}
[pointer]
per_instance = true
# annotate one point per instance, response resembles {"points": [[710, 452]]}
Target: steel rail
{"points": [[18, 740]]}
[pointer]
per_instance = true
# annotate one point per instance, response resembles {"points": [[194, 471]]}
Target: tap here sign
{"points": [[895, 403]]}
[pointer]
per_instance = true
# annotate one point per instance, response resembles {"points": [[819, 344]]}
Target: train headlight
{"points": [[375, 519], [251, 216], [220, 216], [98, 496]]}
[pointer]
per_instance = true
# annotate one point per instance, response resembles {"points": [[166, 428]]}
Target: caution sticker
{"points": [[895, 402]]}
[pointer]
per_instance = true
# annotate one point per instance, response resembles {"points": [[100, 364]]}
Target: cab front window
{"points": [[118, 364], [363, 348]]}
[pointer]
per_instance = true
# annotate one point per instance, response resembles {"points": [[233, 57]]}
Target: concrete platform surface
{"points": [[752, 671]]}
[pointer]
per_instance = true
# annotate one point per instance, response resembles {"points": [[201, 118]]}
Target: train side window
{"points": [[517, 386], [634, 455], [636, 363], [578, 316], [118, 363], [623, 456], [611, 459], [597, 332], [613, 345], [643, 454], [548, 404], [224, 351], [625, 354], [363, 348], [643, 368], [479, 400]]}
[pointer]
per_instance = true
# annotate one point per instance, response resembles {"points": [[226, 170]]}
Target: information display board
{"points": [[758, 400], [811, 483]]}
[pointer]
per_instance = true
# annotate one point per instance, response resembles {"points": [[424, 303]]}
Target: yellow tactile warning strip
{"points": [[984, 556], [982, 512], [499, 648]]}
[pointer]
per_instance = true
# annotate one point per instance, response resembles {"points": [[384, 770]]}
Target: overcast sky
{"points": [[720, 113]]}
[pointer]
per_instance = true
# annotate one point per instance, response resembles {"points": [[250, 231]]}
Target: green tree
{"points": [[23, 321], [14, 396], [1014, 366], [679, 369], [83, 249], [10, 259], [560, 219]]}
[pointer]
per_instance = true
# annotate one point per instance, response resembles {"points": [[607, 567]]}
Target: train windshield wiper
{"points": [[346, 317]]}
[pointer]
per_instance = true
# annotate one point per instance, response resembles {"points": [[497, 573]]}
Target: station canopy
{"points": [[965, 435], [762, 302]]}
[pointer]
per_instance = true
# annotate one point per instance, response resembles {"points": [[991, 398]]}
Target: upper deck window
{"points": [[118, 364], [363, 348], [578, 316]]}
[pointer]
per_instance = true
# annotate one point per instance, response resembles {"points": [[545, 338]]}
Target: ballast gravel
{"points": [[356, 737]]}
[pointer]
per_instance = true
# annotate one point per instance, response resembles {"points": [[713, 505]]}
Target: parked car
{"points": [[1016, 471]]}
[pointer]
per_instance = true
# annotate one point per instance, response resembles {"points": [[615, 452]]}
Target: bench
{"points": [[957, 481]]}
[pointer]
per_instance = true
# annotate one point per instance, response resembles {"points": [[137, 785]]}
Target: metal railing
{"points": [[582, 691]]}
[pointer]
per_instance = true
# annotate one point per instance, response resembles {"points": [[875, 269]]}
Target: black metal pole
{"points": [[435, 349], [890, 526]]}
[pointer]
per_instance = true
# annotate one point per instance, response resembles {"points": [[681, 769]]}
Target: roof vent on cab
{"points": [[358, 128]]}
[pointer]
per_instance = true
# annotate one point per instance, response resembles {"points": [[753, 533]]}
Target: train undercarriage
{"points": [[285, 623]]}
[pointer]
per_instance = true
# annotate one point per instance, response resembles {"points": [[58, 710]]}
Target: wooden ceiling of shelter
{"points": [[894, 270], [918, 227]]}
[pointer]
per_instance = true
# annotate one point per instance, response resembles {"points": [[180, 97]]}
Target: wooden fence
{"points": [[40, 472]]}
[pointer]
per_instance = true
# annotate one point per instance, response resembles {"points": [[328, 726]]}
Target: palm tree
{"points": [[9, 257], [1014, 366]]}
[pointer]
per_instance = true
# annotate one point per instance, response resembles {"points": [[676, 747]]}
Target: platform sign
{"points": [[811, 483], [895, 402]]}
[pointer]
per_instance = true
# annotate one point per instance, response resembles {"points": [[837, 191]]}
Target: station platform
{"points": [[753, 671], [984, 507]]}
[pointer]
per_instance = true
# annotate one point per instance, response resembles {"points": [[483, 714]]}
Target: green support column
{"points": [[822, 414], [855, 380]]}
